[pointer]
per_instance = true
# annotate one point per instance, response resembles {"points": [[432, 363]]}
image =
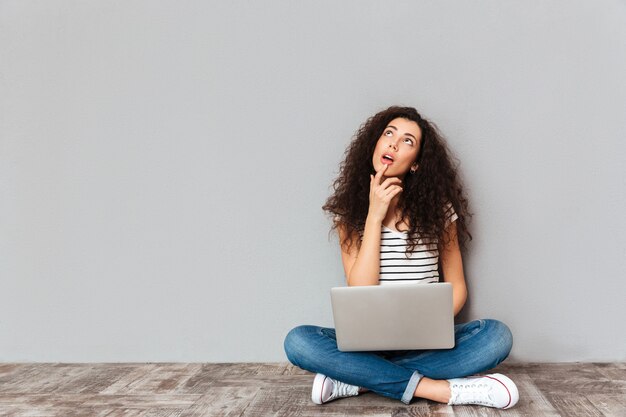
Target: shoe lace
{"points": [[474, 392], [341, 389]]}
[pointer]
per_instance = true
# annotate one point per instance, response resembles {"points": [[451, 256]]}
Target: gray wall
{"points": [[163, 167]]}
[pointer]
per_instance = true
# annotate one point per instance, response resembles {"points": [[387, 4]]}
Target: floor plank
{"points": [[280, 389]]}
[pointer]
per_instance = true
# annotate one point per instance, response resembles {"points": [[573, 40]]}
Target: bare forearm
{"points": [[452, 265], [366, 268], [459, 296]]}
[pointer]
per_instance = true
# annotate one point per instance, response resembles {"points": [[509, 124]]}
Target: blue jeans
{"points": [[480, 345]]}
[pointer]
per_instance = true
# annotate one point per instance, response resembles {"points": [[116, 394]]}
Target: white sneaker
{"points": [[494, 390], [327, 389]]}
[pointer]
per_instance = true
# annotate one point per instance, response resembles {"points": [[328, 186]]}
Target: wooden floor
{"points": [[280, 389]]}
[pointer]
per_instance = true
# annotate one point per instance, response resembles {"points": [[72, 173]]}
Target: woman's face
{"points": [[401, 140]]}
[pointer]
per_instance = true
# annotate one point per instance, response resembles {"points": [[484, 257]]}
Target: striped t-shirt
{"points": [[422, 264]]}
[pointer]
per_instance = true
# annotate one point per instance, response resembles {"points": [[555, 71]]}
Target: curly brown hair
{"points": [[425, 192]]}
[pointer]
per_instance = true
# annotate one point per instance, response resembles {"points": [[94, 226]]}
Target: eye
{"points": [[410, 140]]}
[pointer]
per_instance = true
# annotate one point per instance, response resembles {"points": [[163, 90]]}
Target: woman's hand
{"points": [[382, 194]]}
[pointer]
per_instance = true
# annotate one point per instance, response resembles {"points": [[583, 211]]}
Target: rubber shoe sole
{"points": [[317, 392], [510, 387]]}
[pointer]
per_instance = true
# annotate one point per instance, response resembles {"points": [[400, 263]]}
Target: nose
{"points": [[393, 145]]}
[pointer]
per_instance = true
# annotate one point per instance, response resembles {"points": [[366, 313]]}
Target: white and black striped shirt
{"points": [[422, 264]]}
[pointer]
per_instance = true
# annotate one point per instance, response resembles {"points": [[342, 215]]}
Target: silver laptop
{"points": [[393, 317]]}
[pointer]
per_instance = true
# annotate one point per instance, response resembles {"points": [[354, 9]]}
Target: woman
{"points": [[397, 193]]}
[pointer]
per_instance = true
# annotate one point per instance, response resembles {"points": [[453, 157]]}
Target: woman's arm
{"points": [[362, 267], [452, 266]]}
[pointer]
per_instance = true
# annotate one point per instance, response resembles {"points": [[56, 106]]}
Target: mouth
{"points": [[386, 159]]}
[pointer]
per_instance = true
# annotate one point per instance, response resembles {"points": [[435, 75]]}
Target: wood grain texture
{"points": [[280, 389]]}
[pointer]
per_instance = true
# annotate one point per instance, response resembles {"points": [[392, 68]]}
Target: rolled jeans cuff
{"points": [[411, 387]]}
